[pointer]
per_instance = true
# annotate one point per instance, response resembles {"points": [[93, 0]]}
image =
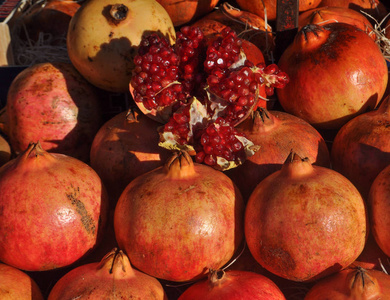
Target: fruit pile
{"points": [[237, 166]]}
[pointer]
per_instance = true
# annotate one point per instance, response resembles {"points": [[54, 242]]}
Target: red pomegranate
{"points": [[276, 133], [52, 103], [111, 278], [352, 283], [379, 203], [180, 220], [361, 148], [305, 222], [16, 284], [233, 285], [53, 210], [184, 12], [125, 147], [336, 73]]}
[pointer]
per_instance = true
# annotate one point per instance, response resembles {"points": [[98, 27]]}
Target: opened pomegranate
{"points": [[53, 104], [352, 283], [180, 220], [361, 148], [336, 73], [305, 222], [125, 147], [53, 210], [103, 38], [16, 284], [276, 133], [233, 285], [379, 203], [111, 278]]}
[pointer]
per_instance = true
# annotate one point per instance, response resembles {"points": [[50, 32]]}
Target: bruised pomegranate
{"points": [[305, 222], [16, 284], [125, 147], [233, 285], [103, 38], [111, 278], [53, 210], [336, 73], [52, 103], [361, 148], [180, 220], [276, 133], [379, 203], [352, 283]]}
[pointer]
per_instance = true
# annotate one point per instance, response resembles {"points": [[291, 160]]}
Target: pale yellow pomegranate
{"points": [[104, 35]]}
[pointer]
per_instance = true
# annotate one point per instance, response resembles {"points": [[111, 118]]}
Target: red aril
{"points": [[111, 278], [361, 148], [233, 285], [276, 133], [53, 210], [180, 220], [16, 284], [305, 222], [336, 73]]}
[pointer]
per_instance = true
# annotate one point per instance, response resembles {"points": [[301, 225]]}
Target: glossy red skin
{"points": [[379, 205], [277, 133], [234, 285], [361, 148], [52, 210], [125, 147], [52, 103], [336, 72], [176, 228], [305, 222], [16, 284]]}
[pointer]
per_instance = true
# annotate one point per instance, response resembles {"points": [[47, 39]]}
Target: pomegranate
{"points": [[104, 35], [276, 133], [171, 85], [379, 202], [248, 26], [336, 73], [16, 284], [352, 283], [267, 8], [5, 150], [333, 14], [51, 102], [183, 12], [111, 278], [179, 220], [305, 222], [53, 210], [374, 8], [125, 147], [361, 148], [233, 284]]}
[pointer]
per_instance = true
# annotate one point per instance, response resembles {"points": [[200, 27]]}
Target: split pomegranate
{"points": [[379, 203], [276, 133], [233, 285], [53, 210], [180, 220], [352, 283], [336, 73], [361, 148], [104, 35], [183, 12], [125, 147], [111, 278], [305, 222], [16, 284], [53, 104]]}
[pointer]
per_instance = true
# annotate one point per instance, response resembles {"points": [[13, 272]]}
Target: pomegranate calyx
{"points": [[216, 277], [311, 36], [118, 12], [117, 263], [180, 165], [296, 166], [362, 284], [34, 150]]}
